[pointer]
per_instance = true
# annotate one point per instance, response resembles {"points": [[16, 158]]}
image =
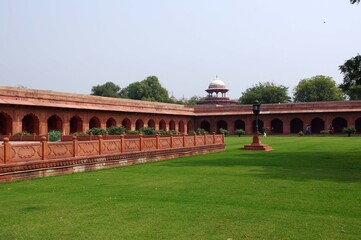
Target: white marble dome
{"points": [[217, 83]]}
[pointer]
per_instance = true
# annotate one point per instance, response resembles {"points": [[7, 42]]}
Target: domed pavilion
{"points": [[217, 93]]}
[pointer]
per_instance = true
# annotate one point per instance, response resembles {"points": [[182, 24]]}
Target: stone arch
{"points": [[6, 124], [139, 124], [296, 125], [30, 123], [181, 126], [127, 124], [276, 126], [260, 126], [222, 124], [162, 125], [206, 126], [94, 122], [55, 123], [111, 122], [151, 123], [190, 126], [358, 125], [239, 124], [76, 124], [338, 124], [171, 125], [317, 125]]}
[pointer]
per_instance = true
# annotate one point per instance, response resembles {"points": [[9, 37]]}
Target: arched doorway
{"points": [[276, 126], [172, 125], [239, 124], [338, 124], [190, 126], [76, 124], [181, 126], [260, 126], [151, 123], [111, 122], [94, 122], [162, 125], [317, 125], [127, 124], [139, 124], [6, 124], [296, 125], [206, 126], [30, 123], [222, 124], [55, 123], [358, 125]]}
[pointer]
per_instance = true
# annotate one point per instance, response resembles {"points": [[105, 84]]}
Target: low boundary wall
{"points": [[15, 169]]}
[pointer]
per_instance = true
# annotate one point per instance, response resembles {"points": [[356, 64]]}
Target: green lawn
{"points": [[306, 188]]}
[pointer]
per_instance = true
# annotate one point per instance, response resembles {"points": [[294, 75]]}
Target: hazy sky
{"points": [[72, 45]]}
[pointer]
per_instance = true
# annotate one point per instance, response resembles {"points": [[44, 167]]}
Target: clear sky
{"points": [[72, 45]]}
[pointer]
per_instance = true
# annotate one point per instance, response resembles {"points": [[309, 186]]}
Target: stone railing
{"points": [[44, 150]]}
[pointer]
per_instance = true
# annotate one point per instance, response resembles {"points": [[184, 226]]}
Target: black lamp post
{"points": [[256, 107], [256, 142]]}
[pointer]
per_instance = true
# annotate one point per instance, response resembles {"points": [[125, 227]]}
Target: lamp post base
{"points": [[256, 145]]}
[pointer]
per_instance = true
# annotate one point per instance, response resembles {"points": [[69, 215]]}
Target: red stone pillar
{"points": [[141, 142], [6, 150], [171, 141], [122, 143], [157, 141], [100, 139], [184, 140], [75, 146], [44, 148]]}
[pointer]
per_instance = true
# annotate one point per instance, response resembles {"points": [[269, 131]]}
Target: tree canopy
{"points": [[108, 89], [317, 88], [351, 71], [194, 100], [265, 93], [149, 90]]}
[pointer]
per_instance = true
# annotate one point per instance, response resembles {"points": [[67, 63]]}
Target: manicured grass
{"points": [[307, 188]]}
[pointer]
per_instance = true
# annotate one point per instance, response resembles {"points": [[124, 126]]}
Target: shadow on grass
{"points": [[298, 166]]}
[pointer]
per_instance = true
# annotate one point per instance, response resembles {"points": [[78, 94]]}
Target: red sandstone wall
{"points": [[17, 103]]}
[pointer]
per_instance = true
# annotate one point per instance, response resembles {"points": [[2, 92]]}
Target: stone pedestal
{"points": [[256, 145]]}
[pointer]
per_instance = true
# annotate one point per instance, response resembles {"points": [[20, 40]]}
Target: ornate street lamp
{"points": [[256, 107], [256, 143]]}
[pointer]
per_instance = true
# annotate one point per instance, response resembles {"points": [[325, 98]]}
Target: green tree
{"points": [[194, 100], [108, 89], [351, 71], [149, 90], [317, 88], [265, 93]]}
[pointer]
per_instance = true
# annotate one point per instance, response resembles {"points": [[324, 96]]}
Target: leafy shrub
{"points": [[54, 135], [323, 132], [301, 133], [191, 132], [349, 130], [201, 131], [23, 133], [132, 132], [163, 132], [116, 130], [239, 132], [172, 132], [97, 131], [80, 134], [148, 131], [223, 131]]}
